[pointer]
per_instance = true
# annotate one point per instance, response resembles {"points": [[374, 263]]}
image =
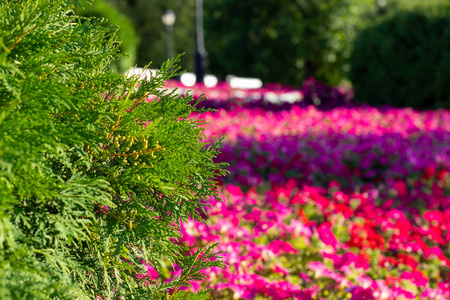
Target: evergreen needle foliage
{"points": [[94, 179]]}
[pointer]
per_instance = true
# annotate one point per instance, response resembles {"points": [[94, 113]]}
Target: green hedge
{"points": [[404, 59], [282, 40]]}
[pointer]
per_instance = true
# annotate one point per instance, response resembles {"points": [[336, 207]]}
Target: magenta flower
{"points": [[279, 247], [359, 293], [327, 236], [322, 271], [415, 277], [280, 270]]}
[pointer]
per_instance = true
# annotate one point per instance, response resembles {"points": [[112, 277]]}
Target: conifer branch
{"points": [[143, 152], [185, 277], [99, 170], [113, 129], [21, 37]]}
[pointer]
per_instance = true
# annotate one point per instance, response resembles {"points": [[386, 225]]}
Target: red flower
{"points": [[442, 174], [392, 280], [364, 236], [428, 172], [303, 217], [344, 209], [400, 187]]}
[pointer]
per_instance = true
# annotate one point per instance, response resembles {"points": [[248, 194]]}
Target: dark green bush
{"points": [[404, 59], [281, 40]]}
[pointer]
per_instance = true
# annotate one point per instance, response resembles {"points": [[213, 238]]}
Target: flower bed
{"points": [[353, 146], [344, 203], [313, 243]]}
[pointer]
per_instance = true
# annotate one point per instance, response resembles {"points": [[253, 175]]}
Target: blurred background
{"points": [[384, 49]]}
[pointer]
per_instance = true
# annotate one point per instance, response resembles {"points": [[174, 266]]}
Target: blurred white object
{"points": [[168, 18], [210, 80], [189, 79], [272, 97], [244, 82], [143, 73], [291, 97]]}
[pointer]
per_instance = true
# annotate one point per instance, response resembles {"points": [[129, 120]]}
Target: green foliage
{"points": [[283, 41], [146, 16], [404, 59], [307, 37], [126, 30], [428, 5], [94, 179]]}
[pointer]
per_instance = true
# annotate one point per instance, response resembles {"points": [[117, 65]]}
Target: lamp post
{"points": [[381, 6], [168, 19], [200, 51]]}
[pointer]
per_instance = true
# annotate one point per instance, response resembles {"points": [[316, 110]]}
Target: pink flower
{"points": [[415, 277], [239, 290], [297, 228], [327, 236], [359, 293], [434, 216], [279, 247], [263, 227], [253, 216], [322, 271], [280, 270], [151, 274], [347, 259], [436, 252], [234, 190], [401, 293], [304, 277]]}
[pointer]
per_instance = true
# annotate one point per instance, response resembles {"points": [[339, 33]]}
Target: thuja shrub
{"points": [[94, 177], [404, 59]]}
